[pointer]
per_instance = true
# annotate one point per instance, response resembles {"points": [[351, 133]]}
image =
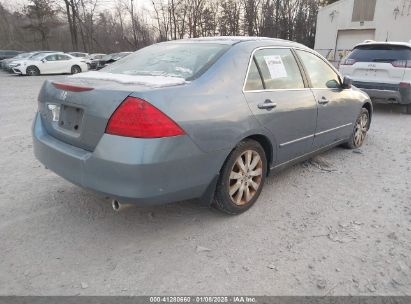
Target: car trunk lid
{"points": [[378, 72], [382, 63], [76, 111]]}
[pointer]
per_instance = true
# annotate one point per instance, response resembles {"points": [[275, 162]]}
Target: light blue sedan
{"points": [[201, 118]]}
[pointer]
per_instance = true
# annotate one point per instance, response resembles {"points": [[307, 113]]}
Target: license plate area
{"points": [[71, 118]]}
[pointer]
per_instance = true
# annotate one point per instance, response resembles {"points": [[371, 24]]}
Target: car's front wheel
{"points": [[32, 71], [242, 178], [360, 130]]}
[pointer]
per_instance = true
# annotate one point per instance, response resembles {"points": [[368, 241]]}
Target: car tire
{"points": [[241, 178], [32, 71], [75, 69], [361, 127]]}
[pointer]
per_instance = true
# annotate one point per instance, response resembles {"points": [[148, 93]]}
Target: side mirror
{"points": [[43, 60], [346, 82]]}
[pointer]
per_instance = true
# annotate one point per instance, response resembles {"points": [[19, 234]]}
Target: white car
{"points": [[382, 70], [50, 63]]}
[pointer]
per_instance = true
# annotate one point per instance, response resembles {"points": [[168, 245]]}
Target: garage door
{"points": [[347, 39]]}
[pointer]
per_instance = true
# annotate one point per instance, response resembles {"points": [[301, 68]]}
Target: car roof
{"points": [[365, 43], [51, 53], [232, 40]]}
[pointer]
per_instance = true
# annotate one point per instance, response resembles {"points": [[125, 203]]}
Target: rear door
{"points": [[378, 63], [64, 64], [336, 107], [280, 99]]}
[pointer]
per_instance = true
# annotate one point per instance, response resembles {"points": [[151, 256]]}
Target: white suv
{"points": [[382, 70]]}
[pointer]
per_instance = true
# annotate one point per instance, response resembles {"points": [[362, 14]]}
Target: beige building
{"points": [[343, 24]]}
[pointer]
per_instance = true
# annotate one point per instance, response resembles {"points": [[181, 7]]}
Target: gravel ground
{"points": [[337, 225]]}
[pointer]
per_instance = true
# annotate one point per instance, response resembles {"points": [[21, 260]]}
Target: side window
{"points": [[63, 57], [320, 73], [51, 58], [253, 79], [279, 69]]}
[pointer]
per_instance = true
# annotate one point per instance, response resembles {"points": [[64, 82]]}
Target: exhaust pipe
{"points": [[117, 206]]}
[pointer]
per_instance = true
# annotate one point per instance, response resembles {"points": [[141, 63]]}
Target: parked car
{"points": [[108, 59], [94, 60], [78, 54], [382, 70], [9, 54], [198, 118], [50, 63], [5, 63], [14, 62]]}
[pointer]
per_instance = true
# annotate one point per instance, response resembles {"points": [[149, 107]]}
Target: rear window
{"points": [[183, 60], [380, 53]]}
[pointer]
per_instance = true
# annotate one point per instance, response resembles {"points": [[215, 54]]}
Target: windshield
{"points": [[380, 53], [183, 60], [109, 56], [38, 56], [24, 55]]}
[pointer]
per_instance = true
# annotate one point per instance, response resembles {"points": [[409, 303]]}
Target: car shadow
{"points": [[388, 108]]}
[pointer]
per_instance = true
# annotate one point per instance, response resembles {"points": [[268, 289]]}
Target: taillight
{"points": [[71, 88], [348, 62], [401, 63], [405, 85], [135, 117]]}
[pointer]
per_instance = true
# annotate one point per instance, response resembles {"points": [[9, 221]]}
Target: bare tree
{"points": [[41, 18], [127, 27]]}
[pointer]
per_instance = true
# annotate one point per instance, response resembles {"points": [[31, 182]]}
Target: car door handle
{"points": [[267, 105], [323, 101]]}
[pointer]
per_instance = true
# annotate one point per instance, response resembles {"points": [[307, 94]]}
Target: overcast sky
{"points": [[103, 4]]}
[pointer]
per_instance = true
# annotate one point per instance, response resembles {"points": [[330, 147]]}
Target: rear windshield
{"points": [[183, 60], [380, 53]]}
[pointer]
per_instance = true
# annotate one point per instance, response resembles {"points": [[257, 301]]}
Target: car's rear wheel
{"points": [[75, 69], [360, 130], [32, 71], [242, 178]]}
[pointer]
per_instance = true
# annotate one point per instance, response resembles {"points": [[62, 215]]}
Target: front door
{"points": [[50, 65], [280, 99], [336, 113]]}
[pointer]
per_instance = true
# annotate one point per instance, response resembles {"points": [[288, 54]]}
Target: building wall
{"points": [[392, 22]]}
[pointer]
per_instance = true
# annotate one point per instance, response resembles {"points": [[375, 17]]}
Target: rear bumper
{"points": [[151, 171], [385, 93]]}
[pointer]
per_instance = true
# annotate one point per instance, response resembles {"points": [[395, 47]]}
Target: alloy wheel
{"points": [[75, 70], [31, 72], [245, 177], [361, 129]]}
